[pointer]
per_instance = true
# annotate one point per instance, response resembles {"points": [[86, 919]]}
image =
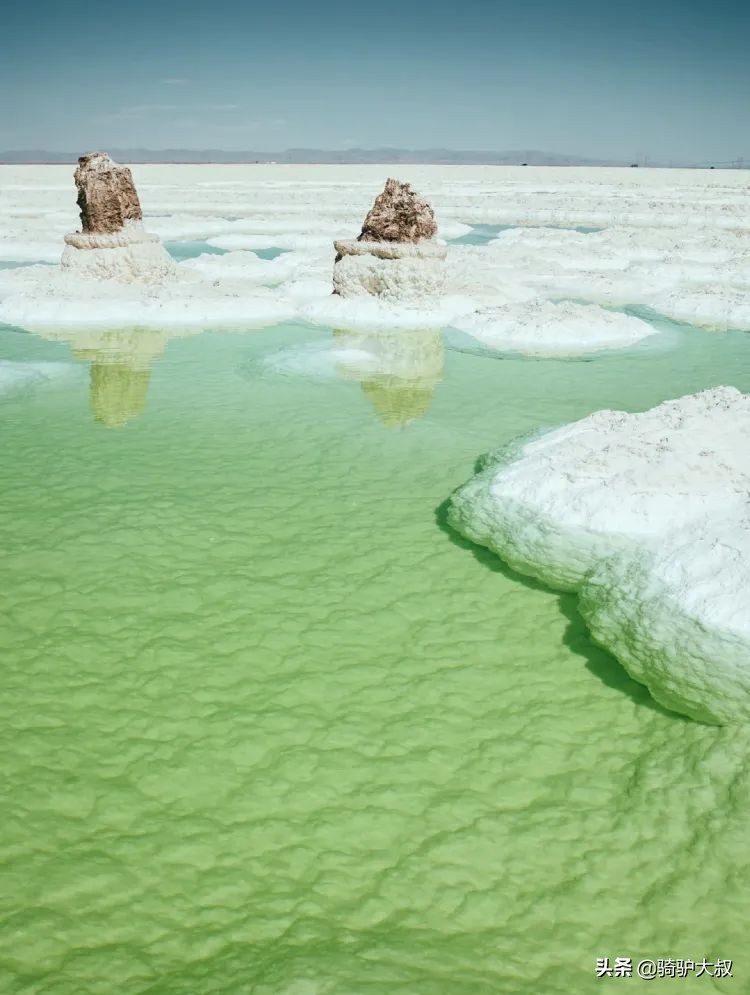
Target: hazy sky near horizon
{"points": [[667, 79]]}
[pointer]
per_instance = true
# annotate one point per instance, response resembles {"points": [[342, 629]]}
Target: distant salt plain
{"points": [[670, 243]]}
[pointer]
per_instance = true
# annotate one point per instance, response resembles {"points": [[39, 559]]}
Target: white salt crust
{"points": [[131, 255], [648, 515], [690, 264]]}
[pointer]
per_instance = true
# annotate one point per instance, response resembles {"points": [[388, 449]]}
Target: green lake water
{"points": [[268, 727]]}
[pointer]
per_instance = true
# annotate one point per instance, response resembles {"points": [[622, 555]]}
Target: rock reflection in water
{"points": [[118, 393], [120, 367], [398, 369]]}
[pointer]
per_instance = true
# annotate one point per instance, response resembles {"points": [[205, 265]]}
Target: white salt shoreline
{"points": [[648, 517]]}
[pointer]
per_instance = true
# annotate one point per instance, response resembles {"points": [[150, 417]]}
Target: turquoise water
{"points": [[270, 253], [180, 251], [269, 727], [15, 264], [482, 234]]}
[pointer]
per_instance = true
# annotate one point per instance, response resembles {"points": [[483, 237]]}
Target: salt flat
{"points": [[676, 242]]}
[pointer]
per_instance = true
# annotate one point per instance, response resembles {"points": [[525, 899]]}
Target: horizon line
{"points": [[382, 155]]}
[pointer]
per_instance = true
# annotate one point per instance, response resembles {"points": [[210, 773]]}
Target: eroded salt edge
{"points": [[647, 516]]}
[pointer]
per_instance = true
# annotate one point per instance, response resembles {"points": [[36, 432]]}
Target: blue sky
{"points": [[665, 79]]}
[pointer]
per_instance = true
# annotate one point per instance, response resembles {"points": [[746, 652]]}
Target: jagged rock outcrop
{"points": [[399, 214], [106, 194], [395, 256], [113, 244]]}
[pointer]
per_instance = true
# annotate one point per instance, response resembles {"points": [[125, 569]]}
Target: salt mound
{"points": [[392, 272], [395, 256], [113, 244], [649, 514], [399, 214], [42, 297], [549, 328], [560, 502], [678, 617]]}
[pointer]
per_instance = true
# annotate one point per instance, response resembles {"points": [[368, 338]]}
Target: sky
{"points": [[664, 80]]}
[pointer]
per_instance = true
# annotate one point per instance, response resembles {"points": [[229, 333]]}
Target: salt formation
{"points": [[395, 256], [678, 617], [113, 244], [399, 214], [677, 244], [553, 328], [648, 513]]}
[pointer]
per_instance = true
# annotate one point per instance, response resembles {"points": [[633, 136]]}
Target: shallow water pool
{"points": [[182, 250], [484, 234], [269, 727], [191, 249], [20, 264], [481, 234]]}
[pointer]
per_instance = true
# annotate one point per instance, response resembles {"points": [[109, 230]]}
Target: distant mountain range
{"points": [[445, 157], [353, 156]]}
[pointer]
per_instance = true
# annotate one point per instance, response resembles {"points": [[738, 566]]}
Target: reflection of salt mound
{"points": [[612, 502], [398, 370], [396, 402], [118, 393], [395, 256], [120, 368], [113, 244]]}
